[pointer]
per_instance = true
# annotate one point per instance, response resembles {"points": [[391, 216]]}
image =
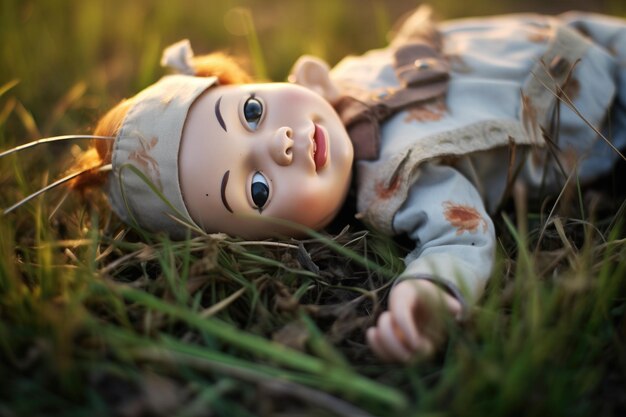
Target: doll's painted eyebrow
{"points": [[223, 191], [218, 114]]}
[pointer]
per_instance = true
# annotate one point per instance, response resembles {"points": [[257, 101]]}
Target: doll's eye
{"points": [[259, 190], [253, 112]]}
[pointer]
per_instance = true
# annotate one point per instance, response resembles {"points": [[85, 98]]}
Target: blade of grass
{"points": [[319, 345], [339, 379], [8, 86], [172, 352]]}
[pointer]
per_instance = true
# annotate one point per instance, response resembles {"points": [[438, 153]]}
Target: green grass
{"points": [[100, 319]]}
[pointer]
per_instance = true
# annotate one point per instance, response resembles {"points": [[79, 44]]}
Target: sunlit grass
{"points": [[99, 319]]}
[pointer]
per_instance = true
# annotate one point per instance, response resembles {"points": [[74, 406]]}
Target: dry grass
{"points": [[100, 319]]}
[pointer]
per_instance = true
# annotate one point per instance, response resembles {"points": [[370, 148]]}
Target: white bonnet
{"points": [[144, 185]]}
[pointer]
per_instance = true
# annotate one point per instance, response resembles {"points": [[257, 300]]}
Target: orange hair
{"points": [[220, 65]]}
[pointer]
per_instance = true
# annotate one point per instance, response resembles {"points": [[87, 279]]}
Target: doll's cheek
{"points": [[314, 208]]}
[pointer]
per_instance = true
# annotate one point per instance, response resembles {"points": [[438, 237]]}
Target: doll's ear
{"points": [[314, 74]]}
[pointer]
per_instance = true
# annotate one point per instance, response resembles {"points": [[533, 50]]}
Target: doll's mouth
{"points": [[320, 147]]}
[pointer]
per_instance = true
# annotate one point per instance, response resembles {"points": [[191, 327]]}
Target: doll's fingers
{"points": [[402, 307], [425, 348], [390, 338], [373, 340], [420, 344], [454, 307]]}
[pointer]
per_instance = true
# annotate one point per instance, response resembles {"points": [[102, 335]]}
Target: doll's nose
{"points": [[281, 147]]}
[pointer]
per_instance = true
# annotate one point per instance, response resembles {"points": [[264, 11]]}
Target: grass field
{"points": [[97, 319]]}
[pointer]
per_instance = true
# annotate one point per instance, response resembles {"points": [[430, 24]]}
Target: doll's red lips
{"points": [[320, 147]]}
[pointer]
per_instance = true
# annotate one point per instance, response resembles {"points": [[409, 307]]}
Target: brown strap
{"points": [[419, 64], [423, 73]]}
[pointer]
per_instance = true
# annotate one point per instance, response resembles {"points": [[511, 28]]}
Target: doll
{"points": [[439, 125]]}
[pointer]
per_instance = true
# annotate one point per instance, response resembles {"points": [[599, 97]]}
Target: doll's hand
{"points": [[415, 324]]}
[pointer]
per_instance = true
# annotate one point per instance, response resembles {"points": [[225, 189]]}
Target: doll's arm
{"points": [[448, 269]]}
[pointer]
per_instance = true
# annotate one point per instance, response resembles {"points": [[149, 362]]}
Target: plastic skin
{"points": [[284, 140]]}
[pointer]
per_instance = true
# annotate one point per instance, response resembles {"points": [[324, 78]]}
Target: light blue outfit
{"points": [[460, 152]]}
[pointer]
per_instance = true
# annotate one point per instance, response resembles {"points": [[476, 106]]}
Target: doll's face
{"points": [[255, 152]]}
